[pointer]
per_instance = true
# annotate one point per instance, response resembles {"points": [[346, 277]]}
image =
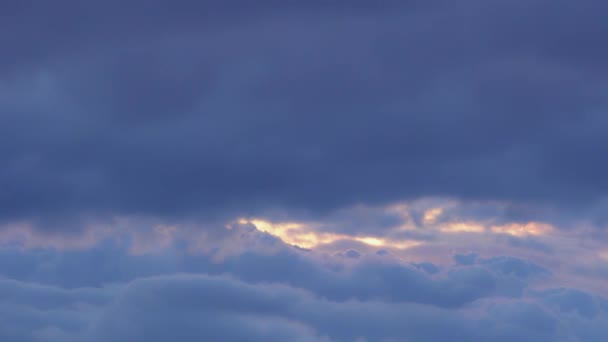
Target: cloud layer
{"points": [[205, 108], [286, 295], [303, 170]]}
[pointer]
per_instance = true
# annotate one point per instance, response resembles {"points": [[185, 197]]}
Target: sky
{"points": [[232, 170]]}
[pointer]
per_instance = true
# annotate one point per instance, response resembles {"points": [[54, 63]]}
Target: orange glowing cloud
{"points": [[463, 227], [431, 215], [517, 229]]}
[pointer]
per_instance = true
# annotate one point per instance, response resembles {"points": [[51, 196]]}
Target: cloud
{"points": [[435, 163], [309, 107], [282, 292], [190, 307]]}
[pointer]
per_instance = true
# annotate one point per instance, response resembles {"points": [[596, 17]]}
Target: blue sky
{"points": [[303, 170]]}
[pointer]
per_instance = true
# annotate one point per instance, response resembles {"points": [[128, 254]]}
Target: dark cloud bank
{"points": [[210, 107]]}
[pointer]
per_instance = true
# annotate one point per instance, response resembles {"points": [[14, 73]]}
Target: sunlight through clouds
{"points": [[431, 215], [462, 227], [301, 235], [530, 228]]}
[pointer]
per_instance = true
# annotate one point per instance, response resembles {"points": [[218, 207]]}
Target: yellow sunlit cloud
{"points": [[431, 215], [277, 229], [530, 228], [300, 235], [371, 241], [378, 242], [463, 227]]}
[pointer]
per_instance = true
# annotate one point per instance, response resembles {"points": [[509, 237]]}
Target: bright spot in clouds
{"points": [[530, 228], [305, 236], [462, 227], [431, 215]]}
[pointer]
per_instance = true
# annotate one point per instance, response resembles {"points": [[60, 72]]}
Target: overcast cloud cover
{"points": [[303, 170]]}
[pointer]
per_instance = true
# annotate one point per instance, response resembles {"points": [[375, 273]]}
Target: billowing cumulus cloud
{"points": [[248, 285], [288, 295]]}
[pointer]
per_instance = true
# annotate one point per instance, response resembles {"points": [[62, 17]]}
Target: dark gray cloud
{"points": [[191, 307], [526, 243], [215, 107]]}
